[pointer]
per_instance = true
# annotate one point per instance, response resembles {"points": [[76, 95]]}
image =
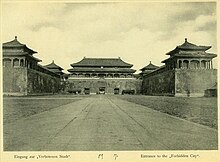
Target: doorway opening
{"points": [[87, 91], [101, 90], [116, 91]]}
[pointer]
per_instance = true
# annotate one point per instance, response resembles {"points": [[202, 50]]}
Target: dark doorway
{"points": [[116, 91], [87, 91], [102, 90]]}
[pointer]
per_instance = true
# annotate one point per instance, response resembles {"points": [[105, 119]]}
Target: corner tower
{"points": [[189, 56]]}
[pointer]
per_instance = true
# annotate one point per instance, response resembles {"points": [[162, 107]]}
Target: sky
{"points": [[136, 32]]}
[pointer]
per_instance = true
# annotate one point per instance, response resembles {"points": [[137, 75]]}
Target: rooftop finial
{"points": [[16, 37], [185, 39], [150, 62], [52, 61]]}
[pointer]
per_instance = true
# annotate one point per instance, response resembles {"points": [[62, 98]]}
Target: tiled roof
{"points": [[53, 66], [45, 70], [191, 55], [187, 46], [16, 43], [94, 70], [158, 70], [31, 56], [150, 66], [55, 70], [98, 62]]}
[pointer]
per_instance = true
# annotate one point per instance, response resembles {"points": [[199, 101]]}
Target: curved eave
{"points": [[30, 50], [38, 60], [207, 55], [101, 70], [98, 62], [53, 67], [172, 51], [21, 46], [196, 48], [47, 70], [92, 65], [149, 68]]}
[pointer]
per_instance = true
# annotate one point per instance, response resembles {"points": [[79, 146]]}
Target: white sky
{"points": [[136, 32]]}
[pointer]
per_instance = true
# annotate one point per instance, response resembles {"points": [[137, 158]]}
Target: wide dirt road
{"points": [[103, 122]]}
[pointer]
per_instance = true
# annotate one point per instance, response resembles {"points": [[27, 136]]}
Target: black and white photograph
{"points": [[109, 76]]}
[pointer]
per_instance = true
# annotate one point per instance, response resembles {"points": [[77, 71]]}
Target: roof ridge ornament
{"points": [[185, 39], [16, 37]]}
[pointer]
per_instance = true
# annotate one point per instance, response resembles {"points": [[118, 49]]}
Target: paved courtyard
{"points": [[104, 122]]}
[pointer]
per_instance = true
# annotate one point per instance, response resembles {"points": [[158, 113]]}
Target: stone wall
{"points": [[23, 81], [194, 82], [14, 81], [159, 84], [180, 82], [109, 84], [39, 82]]}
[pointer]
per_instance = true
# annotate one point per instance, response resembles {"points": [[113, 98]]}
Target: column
{"points": [[189, 64], [12, 62], [19, 62], [211, 64], [181, 66], [177, 64], [200, 64], [28, 64]]}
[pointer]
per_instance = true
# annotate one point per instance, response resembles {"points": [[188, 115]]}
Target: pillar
{"points": [[189, 64], [200, 64], [12, 62], [181, 64], [177, 64]]}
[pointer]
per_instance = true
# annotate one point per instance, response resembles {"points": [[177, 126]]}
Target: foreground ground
{"points": [[99, 122], [202, 110]]}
